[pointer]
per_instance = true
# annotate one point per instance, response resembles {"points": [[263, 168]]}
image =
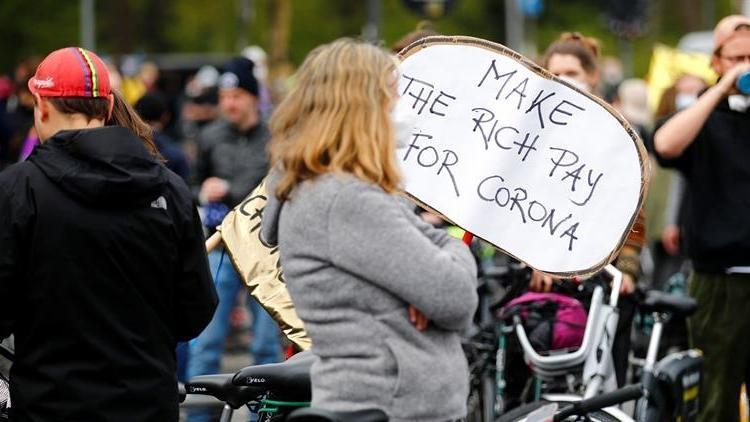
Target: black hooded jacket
{"points": [[102, 270], [716, 166]]}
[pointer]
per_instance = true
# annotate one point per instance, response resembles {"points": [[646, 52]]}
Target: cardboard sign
{"points": [[258, 264], [500, 147]]}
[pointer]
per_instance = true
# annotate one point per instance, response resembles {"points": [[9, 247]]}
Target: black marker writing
{"points": [[428, 157], [497, 77], [560, 110], [488, 129], [520, 91], [422, 93], [437, 101], [559, 114], [592, 184], [537, 104], [492, 189], [485, 117], [525, 145], [565, 158]]}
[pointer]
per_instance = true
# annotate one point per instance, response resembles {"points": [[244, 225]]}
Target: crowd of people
{"points": [[105, 273]]}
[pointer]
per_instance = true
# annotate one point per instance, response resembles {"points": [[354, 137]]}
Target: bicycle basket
{"points": [[552, 321]]}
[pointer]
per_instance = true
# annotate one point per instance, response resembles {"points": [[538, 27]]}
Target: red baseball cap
{"points": [[71, 72]]}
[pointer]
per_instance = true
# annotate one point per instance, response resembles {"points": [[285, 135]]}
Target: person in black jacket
{"points": [[102, 263], [709, 143]]}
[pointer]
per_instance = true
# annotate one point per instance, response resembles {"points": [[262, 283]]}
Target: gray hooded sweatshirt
{"points": [[354, 258]]}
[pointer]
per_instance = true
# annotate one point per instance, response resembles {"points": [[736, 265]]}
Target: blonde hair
{"points": [[337, 118]]}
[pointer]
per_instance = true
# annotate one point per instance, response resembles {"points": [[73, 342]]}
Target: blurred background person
{"points": [[143, 81], [152, 107], [21, 138], [231, 161], [668, 189], [260, 69], [198, 106], [6, 91], [707, 143], [632, 101]]}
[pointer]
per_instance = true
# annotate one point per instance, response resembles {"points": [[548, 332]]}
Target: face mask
{"points": [[403, 127], [739, 102], [683, 101], [578, 84]]}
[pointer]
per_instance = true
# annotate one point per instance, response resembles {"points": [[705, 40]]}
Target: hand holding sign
{"points": [[546, 172]]}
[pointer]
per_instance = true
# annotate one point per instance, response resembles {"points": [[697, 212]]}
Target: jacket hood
{"points": [[269, 230], [107, 166]]}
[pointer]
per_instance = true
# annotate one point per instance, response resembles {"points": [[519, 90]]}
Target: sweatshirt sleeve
{"points": [[372, 236], [196, 297]]}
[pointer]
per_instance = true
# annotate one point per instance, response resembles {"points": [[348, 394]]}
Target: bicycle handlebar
{"points": [[583, 407]]}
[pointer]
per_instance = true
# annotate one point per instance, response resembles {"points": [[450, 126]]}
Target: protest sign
{"points": [[258, 264], [534, 166]]}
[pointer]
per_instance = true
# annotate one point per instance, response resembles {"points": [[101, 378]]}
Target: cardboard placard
{"points": [[545, 172]]}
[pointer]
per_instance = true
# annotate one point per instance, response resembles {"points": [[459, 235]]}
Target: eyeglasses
{"points": [[737, 59]]}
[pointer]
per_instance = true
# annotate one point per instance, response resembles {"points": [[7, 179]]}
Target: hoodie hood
{"points": [[106, 166], [269, 230]]}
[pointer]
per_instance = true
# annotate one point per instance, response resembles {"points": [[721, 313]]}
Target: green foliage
{"points": [[35, 28], [127, 26]]}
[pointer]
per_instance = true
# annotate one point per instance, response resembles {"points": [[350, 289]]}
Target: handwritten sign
{"points": [[543, 171]]}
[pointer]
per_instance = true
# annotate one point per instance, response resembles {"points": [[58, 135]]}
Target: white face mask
{"points": [[576, 83], [683, 101], [739, 102], [403, 127]]}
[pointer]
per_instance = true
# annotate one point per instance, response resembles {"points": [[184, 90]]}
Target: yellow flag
{"points": [[258, 264], [668, 64]]}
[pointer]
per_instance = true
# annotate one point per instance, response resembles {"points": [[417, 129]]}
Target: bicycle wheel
{"points": [[520, 413]]}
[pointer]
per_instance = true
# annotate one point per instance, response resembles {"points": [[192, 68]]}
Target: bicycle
{"points": [[484, 343], [272, 391], [6, 359], [275, 392], [668, 390]]}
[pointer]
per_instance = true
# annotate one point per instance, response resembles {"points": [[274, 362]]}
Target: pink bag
{"points": [[552, 321]]}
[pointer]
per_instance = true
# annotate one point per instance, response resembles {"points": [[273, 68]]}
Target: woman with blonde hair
{"points": [[382, 294]]}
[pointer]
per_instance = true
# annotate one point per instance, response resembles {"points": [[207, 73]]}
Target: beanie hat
{"points": [[239, 74]]}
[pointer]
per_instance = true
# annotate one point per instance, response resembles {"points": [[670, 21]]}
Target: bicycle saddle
{"points": [[220, 386], [311, 414], [657, 301], [288, 380]]}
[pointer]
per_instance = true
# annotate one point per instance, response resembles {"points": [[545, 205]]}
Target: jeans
{"points": [[206, 349]]}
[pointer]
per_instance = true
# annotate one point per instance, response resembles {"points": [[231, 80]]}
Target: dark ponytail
{"points": [[124, 115]]}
